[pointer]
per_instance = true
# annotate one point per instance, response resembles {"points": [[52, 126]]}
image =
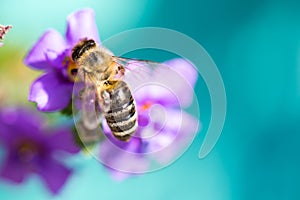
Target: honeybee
{"points": [[105, 93]]}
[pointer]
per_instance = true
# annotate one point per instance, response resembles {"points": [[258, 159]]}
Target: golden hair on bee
{"points": [[81, 48]]}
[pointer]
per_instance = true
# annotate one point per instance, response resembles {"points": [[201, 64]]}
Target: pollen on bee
{"points": [[72, 70]]}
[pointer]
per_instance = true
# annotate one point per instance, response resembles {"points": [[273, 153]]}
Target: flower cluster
{"points": [[52, 54], [32, 148], [164, 128]]}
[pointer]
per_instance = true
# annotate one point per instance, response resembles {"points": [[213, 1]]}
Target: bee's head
{"points": [[83, 46]]}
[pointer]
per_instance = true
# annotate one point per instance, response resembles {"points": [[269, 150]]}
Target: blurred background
{"points": [[256, 46]]}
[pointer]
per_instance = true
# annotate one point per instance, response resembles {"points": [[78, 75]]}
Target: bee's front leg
{"points": [[120, 71], [103, 100]]}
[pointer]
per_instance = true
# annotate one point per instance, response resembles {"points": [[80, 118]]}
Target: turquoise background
{"points": [[255, 45]]}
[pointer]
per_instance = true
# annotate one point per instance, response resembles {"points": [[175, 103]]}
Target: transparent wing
{"points": [[89, 108], [88, 137], [136, 72], [157, 82], [142, 64], [86, 111]]}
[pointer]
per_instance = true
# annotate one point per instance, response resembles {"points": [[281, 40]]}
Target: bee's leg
{"points": [[104, 100], [120, 71]]}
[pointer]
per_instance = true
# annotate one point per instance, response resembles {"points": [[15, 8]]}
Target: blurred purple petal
{"points": [[167, 86], [184, 68], [118, 175], [51, 92], [54, 174], [10, 116], [155, 94], [11, 170], [123, 159], [5, 134], [175, 84], [63, 140], [50, 41], [33, 149], [81, 24], [179, 130]]}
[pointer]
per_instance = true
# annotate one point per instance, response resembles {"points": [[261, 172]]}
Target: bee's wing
{"points": [[147, 78], [87, 115], [138, 71], [142, 64], [89, 108]]}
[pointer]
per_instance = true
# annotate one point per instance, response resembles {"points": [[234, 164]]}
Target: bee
{"points": [[105, 93]]}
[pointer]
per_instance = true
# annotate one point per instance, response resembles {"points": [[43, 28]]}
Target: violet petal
{"points": [[51, 92], [177, 133], [126, 160], [18, 121], [169, 86], [11, 170], [156, 94], [58, 61], [63, 140], [176, 82], [184, 68], [118, 175], [50, 41], [81, 24], [54, 174]]}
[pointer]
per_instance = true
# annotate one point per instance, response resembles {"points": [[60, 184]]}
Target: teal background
{"points": [[255, 45]]}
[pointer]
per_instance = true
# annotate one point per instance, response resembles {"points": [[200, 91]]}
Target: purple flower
{"points": [[30, 148], [52, 54], [165, 129]]}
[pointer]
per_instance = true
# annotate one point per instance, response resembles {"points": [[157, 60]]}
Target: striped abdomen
{"points": [[121, 116]]}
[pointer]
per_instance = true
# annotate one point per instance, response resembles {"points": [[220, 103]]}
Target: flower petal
{"points": [[126, 160], [118, 175], [58, 61], [51, 92], [63, 140], [176, 82], [169, 86], [16, 122], [176, 134], [54, 174], [155, 94], [184, 68], [50, 41], [81, 24], [11, 170]]}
